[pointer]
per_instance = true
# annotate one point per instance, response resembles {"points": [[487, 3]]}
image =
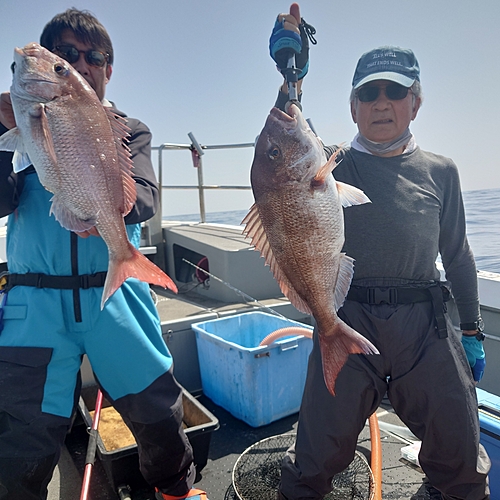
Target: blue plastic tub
{"points": [[255, 384], [489, 421]]}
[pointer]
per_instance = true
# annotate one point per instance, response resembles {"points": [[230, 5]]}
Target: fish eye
{"points": [[13, 67], [60, 69], [274, 153]]}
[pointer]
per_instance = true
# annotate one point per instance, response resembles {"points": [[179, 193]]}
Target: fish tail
{"points": [[137, 266], [336, 346]]}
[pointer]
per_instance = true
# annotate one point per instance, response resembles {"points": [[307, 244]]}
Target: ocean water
{"points": [[482, 211]]}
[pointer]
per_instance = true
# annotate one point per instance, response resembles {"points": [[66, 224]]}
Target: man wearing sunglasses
{"points": [[46, 329], [396, 299]]}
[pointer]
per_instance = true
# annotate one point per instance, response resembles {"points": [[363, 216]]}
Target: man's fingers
{"points": [[91, 232], [289, 22], [295, 12], [6, 111]]}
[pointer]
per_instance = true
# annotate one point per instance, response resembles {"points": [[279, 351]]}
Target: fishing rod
{"points": [[247, 297]]}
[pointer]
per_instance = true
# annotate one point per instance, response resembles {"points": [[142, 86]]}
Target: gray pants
{"points": [[429, 384]]}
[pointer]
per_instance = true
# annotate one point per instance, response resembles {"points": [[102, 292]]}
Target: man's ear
{"points": [[416, 107], [109, 71], [353, 111]]}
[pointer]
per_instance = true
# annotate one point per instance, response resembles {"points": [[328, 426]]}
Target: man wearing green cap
{"points": [[396, 299]]}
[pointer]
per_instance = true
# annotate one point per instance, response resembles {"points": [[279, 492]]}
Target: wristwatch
{"points": [[476, 325]]}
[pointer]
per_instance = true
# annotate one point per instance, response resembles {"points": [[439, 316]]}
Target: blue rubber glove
{"points": [[475, 355], [283, 42]]}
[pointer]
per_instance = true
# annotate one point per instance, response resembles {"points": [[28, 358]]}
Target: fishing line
{"points": [[245, 296]]}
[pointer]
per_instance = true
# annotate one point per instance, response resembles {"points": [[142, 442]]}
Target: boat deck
{"points": [[400, 479]]}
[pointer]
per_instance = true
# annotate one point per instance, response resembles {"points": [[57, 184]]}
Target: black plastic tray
{"points": [[122, 465]]}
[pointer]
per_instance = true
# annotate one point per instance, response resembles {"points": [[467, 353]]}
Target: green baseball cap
{"points": [[387, 63]]}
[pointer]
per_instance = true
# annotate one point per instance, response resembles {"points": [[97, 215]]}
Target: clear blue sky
{"points": [[202, 66]]}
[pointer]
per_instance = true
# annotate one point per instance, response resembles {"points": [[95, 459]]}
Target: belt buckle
{"points": [[3, 301], [4, 279], [377, 296], [84, 281]]}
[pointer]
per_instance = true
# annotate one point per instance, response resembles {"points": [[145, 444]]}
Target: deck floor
{"points": [[400, 479]]}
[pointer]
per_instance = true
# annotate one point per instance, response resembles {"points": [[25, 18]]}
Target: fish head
{"points": [[287, 150], [41, 76]]}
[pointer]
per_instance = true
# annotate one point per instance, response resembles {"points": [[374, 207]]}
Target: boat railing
{"points": [[197, 151]]}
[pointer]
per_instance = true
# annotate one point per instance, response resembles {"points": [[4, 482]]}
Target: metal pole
{"points": [[160, 173], [197, 151], [201, 192]]}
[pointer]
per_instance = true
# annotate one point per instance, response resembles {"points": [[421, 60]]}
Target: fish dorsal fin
{"points": [[255, 231], [13, 141], [121, 132], [350, 195], [346, 271]]}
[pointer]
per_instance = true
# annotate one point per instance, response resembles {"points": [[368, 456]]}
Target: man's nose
{"points": [[382, 100], [81, 64]]}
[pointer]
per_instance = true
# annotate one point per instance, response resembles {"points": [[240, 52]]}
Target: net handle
{"points": [[375, 443]]}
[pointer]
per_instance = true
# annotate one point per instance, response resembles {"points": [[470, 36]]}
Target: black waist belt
{"points": [[438, 294], [39, 280], [388, 295]]}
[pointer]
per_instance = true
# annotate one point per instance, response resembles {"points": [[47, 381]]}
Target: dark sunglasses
{"points": [[393, 91], [72, 54]]}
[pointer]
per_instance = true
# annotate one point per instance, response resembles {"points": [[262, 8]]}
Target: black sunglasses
{"points": [[393, 91], [72, 54]]}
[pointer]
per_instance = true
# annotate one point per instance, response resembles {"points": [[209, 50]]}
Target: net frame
{"points": [[257, 471]]}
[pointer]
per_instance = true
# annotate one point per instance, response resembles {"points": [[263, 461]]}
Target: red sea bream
{"points": [[297, 224]]}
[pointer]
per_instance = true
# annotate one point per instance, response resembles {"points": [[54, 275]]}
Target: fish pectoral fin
{"points": [[350, 195], [40, 131], [255, 231], [13, 141], [68, 219], [121, 133], [336, 346], [344, 278], [20, 161], [326, 169]]}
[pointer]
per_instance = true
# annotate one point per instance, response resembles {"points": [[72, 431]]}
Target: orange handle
{"points": [[376, 445]]}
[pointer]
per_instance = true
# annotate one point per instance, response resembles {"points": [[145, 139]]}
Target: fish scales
{"points": [[79, 123], [97, 166], [296, 231], [297, 224]]}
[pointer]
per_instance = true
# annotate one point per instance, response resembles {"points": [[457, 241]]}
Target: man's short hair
{"points": [[85, 26]]}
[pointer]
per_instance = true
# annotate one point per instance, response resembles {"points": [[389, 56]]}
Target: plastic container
{"points": [[122, 464], [255, 384], [410, 453], [489, 422]]}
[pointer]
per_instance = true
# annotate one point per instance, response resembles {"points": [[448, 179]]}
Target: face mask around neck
{"points": [[381, 148]]}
